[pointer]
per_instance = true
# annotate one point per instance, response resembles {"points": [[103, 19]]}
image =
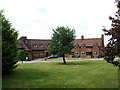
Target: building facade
{"points": [[84, 48], [88, 48], [37, 48]]}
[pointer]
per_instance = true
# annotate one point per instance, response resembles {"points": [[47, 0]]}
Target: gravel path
{"points": [[41, 60]]}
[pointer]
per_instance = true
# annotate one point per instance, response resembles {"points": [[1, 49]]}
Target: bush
{"points": [[75, 56], [30, 59], [22, 54]]}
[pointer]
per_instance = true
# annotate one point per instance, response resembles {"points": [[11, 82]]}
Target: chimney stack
{"points": [[82, 37], [102, 37], [23, 38]]}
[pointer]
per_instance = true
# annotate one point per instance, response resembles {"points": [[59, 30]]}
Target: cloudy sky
{"points": [[36, 18]]}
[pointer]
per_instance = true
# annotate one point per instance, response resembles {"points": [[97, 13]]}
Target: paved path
{"points": [[41, 60]]}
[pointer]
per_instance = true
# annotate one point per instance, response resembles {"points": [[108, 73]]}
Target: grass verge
{"points": [[80, 74]]}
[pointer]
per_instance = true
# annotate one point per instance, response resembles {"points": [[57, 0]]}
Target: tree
{"points": [[22, 54], [61, 43], [113, 47], [9, 45]]}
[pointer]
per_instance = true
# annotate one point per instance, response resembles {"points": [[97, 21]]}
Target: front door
{"points": [[88, 54], [46, 54]]}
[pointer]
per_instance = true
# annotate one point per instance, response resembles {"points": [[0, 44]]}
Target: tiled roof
{"points": [[42, 44], [88, 42], [38, 44], [23, 45], [33, 44], [19, 46]]}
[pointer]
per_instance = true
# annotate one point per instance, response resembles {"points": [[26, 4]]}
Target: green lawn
{"points": [[79, 74]]}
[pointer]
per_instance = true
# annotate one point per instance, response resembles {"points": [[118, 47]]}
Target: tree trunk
{"points": [[64, 59]]}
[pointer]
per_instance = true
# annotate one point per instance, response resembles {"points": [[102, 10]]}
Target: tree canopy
{"points": [[113, 47], [9, 45], [61, 42]]}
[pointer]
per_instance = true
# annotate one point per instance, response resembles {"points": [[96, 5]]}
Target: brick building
{"points": [[37, 48], [88, 48], [85, 48]]}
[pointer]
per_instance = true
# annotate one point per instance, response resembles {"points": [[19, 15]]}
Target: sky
{"points": [[36, 19]]}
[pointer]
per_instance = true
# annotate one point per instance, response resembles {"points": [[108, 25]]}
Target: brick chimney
{"points": [[23, 38], [82, 37], [102, 37]]}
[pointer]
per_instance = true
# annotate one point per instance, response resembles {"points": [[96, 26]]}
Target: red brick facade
{"points": [[87, 48], [37, 48], [84, 48]]}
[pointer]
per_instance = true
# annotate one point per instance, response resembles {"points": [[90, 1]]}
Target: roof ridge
{"points": [[39, 39], [88, 39]]}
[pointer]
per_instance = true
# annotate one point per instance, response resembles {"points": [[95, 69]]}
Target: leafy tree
{"points": [[9, 45], [61, 43], [22, 54], [113, 47]]}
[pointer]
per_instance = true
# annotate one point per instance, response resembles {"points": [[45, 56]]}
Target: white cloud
{"points": [[37, 18]]}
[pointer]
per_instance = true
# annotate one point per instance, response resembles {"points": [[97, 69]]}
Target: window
{"points": [[26, 41], [95, 46], [35, 53], [35, 45], [77, 53], [88, 53], [41, 45], [76, 46], [83, 46], [41, 53], [72, 52], [95, 53], [83, 53]]}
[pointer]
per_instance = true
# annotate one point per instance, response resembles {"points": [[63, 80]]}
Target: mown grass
{"points": [[79, 74]]}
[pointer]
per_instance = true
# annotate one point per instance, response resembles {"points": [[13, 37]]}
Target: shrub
{"points": [[22, 54], [75, 56]]}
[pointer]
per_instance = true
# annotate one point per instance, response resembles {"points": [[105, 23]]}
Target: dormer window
{"points": [[83, 46], [41, 45], [35, 45], [76, 46], [26, 41], [95, 46]]}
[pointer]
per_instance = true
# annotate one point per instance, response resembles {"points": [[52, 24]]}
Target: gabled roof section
{"points": [[22, 45], [42, 44], [33, 44], [88, 42], [38, 44]]}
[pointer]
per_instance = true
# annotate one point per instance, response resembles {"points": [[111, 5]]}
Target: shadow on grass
{"points": [[28, 73], [77, 63], [67, 63]]}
